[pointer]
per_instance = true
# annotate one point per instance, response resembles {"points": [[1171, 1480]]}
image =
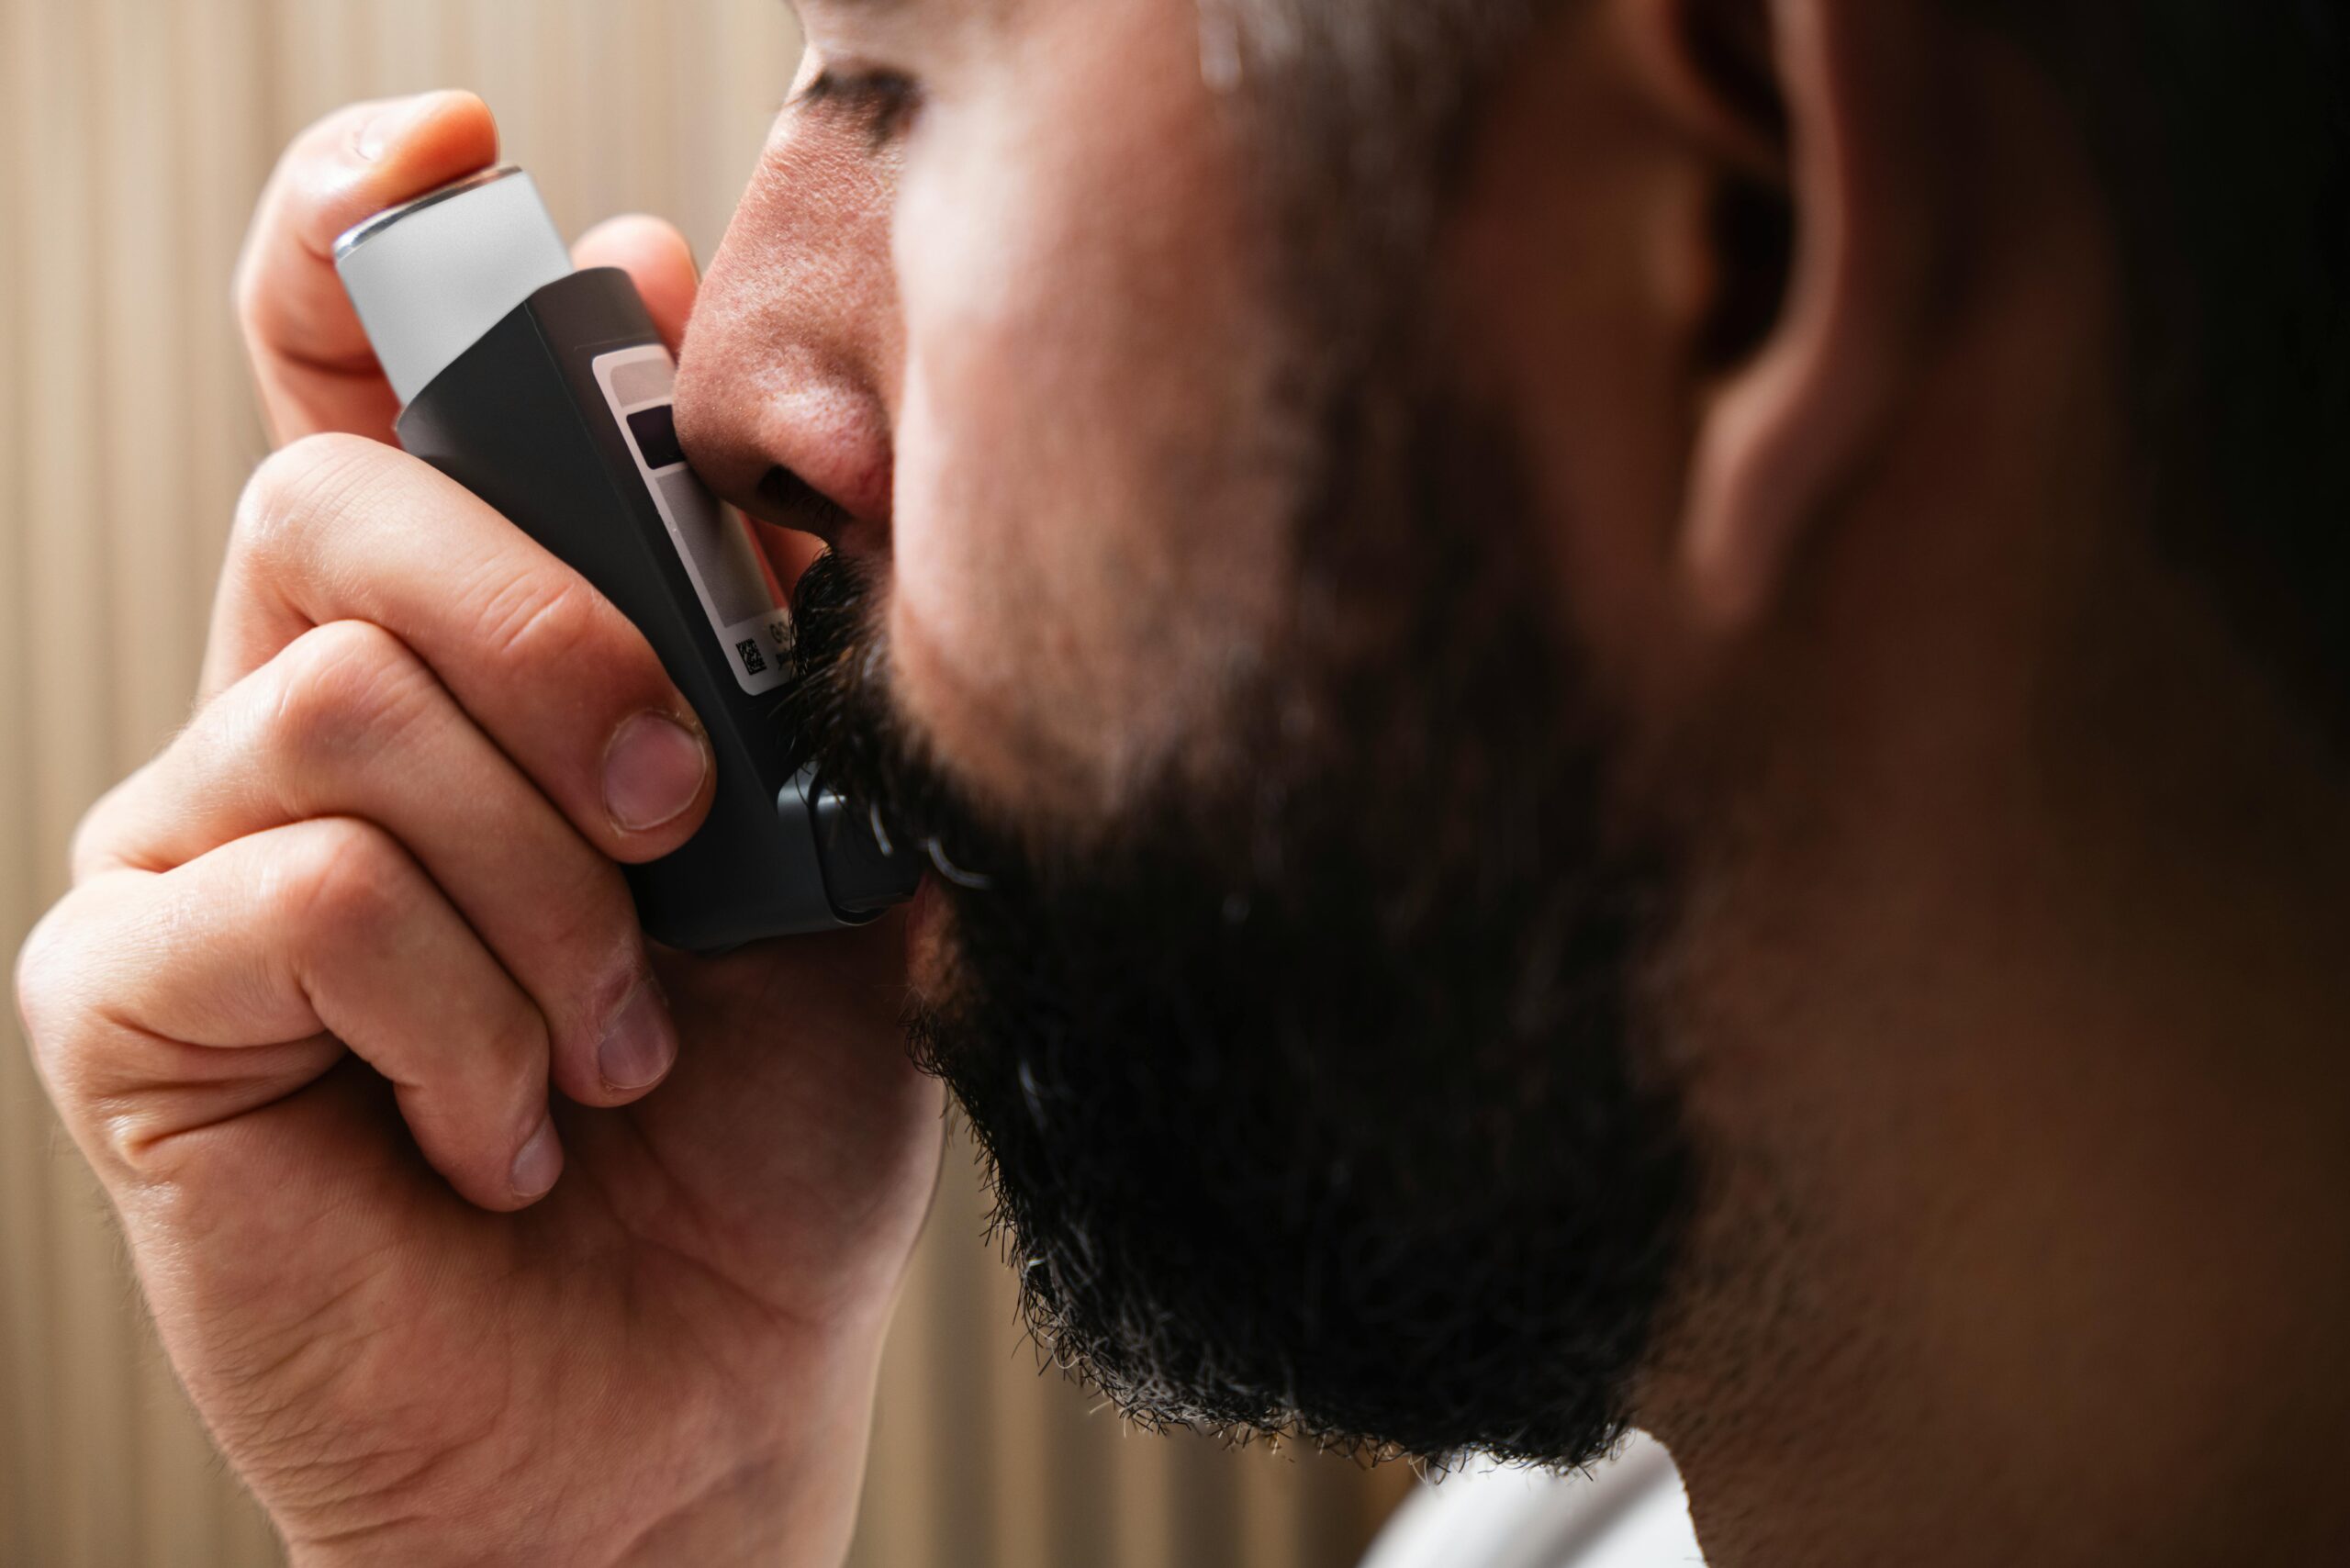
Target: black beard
{"points": [[1311, 1099]]}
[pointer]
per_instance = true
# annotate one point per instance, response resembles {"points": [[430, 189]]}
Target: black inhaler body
{"points": [[558, 415]]}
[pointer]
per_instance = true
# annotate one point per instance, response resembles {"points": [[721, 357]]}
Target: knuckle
{"points": [[270, 228], [324, 136], [515, 1046], [59, 1016], [599, 935], [594, 916], [42, 964], [551, 620], [305, 486], [348, 882], [346, 689]]}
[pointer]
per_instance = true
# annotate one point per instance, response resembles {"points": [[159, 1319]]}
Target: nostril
{"points": [[789, 501]]}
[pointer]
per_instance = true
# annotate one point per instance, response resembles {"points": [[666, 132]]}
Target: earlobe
{"points": [[1780, 434]]}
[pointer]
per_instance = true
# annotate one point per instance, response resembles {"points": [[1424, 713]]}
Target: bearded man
{"points": [[1632, 711]]}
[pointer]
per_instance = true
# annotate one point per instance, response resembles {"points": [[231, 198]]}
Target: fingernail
{"points": [[376, 136], [640, 1045], [541, 1161], [652, 772]]}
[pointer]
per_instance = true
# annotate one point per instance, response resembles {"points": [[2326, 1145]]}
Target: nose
{"points": [[789, 380]]}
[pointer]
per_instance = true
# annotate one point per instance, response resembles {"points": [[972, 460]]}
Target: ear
{"points": [[1812, 105]]}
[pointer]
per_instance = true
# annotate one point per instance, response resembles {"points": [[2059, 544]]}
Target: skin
{"points": [[2007, 1013]]}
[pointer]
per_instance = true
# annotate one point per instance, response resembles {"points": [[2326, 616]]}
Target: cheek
{"points": [[1080, 537], [979, 576], [987, 563]]}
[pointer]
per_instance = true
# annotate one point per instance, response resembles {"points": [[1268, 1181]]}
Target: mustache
{"points": [[839, 719], [827, 706]]}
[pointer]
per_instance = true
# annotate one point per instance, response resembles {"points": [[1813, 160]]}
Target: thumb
{"points": [[656, 256]]}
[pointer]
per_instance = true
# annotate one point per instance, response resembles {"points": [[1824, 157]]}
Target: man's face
{"points": [[1015, 325], [1190, 602]]}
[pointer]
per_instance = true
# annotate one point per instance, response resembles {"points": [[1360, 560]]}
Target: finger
{"points": [[347, 721], [310, 354], [165, 1006], [656, 257], [337, 528]]}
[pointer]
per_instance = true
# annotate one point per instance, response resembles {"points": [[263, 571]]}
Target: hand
{"points": [[325, 957]]}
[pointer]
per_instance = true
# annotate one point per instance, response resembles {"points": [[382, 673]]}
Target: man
{"points": [[1631, 710]]}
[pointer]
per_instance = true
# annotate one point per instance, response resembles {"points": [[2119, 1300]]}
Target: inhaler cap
{"points": [[431, 277]]}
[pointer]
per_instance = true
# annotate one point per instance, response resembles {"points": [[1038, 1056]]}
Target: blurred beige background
{"points": [[134, 134]]}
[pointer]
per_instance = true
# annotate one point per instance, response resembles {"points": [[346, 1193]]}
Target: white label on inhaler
{"points": [[753, 632]]}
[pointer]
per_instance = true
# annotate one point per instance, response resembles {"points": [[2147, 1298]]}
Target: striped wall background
{"points": [[134, 134]]}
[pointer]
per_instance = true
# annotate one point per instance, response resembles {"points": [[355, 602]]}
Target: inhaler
{"points": [[547, 393]]}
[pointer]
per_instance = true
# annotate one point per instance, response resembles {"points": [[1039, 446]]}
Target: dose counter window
{"points": [[656, 430], [753, 630]]}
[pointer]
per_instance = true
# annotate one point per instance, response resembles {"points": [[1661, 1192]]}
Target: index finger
{"points": [[310, 354], [338, 529]]}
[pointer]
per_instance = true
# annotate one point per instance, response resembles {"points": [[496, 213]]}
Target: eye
{"points": [[878, 103]]}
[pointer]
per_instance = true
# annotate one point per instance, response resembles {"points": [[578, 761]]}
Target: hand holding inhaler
{"points": [[333, 958], [547, 393]]}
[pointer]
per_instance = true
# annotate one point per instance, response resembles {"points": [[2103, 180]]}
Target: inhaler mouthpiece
{"points": [[430, 278]]}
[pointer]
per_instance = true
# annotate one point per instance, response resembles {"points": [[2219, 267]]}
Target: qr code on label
{"points": [[754, 662]]}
